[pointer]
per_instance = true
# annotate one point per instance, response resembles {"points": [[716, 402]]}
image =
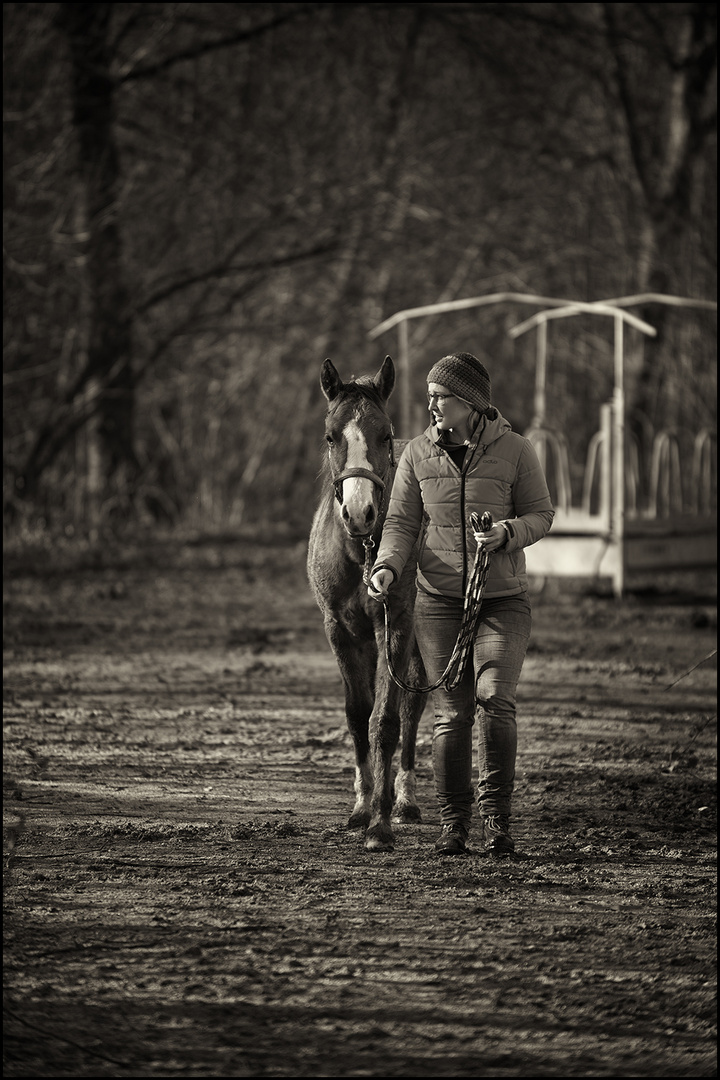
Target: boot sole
{"points": [[495, 848], [452, 851]]}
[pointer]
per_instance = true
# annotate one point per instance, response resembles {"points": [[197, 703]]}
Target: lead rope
{"points": [[472, 602]]}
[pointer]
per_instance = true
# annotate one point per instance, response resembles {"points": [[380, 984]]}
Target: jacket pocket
{"points": [[422, 539]]}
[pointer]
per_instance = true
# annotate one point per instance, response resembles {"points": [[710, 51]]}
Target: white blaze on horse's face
{"points": [[359, 502]]}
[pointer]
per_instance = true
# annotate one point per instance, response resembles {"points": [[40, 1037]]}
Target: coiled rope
{"points": [[472, 601]]}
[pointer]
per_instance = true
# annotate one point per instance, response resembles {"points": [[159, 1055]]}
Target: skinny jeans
{"points": [[487, 690]]}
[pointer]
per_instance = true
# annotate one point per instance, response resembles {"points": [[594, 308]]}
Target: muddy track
{"points": [[181, 895]]}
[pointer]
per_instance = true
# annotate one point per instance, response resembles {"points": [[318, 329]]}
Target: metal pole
{"points": [[606, 458], [618, 444], [539, 406], [405, 387], [540, 375]]}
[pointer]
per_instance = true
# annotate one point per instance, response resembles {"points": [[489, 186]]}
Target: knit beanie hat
{"points": [[465, 376]]}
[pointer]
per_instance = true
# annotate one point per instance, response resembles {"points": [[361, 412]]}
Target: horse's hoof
{"points": [[408, 814], [358, 821], [379, 838], [375, 843]]}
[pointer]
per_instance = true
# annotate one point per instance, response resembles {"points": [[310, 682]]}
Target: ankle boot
{"points": [[452, 840]]}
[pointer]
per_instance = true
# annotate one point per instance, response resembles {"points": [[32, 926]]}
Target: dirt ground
{"points": [[182, 897]]}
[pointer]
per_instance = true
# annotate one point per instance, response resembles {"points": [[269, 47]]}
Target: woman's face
{"points": [[447, 411]]}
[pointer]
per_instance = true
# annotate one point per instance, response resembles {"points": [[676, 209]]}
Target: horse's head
{"points": [[359, 439]]}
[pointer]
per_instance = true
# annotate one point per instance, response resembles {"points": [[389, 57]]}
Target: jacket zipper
{"points": [[482, 447]]}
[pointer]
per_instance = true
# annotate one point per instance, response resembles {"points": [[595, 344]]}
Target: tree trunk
{"points": [[109, 336], [665, 156]]}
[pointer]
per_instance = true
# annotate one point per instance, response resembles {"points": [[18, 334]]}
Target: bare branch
{"points": [[628, 104], [206, 47], [229, 268]]}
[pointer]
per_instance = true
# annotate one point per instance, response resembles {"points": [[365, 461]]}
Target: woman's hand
{"points": [[380, 582], [492, 540]]}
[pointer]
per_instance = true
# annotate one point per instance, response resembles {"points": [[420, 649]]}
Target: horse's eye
{"points": [[329, 440]]}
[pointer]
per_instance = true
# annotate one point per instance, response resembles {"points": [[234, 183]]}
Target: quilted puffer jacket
{"points": [[432, 500]]}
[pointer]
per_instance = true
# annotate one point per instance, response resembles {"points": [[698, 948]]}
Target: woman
{"points": [[468, 459]]}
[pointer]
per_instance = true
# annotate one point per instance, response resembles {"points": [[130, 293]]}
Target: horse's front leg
{"points": [[357, 665], [406, 809], [358, 706], [384, 738]]}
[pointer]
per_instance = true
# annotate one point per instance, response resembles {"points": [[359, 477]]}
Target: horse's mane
{"points": [[361, 388]]}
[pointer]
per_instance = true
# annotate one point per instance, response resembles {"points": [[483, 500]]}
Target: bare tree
{"points": [[205, 200]]}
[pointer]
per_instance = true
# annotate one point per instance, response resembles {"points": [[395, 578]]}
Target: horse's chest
{"points": [[352, 608], [355, 617]]}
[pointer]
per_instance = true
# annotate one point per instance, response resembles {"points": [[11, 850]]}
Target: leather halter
{"points": [[338, 480], [368, 474], [367, 540]]}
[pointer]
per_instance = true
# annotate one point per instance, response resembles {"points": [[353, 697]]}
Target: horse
{"points": [[359, 468]]}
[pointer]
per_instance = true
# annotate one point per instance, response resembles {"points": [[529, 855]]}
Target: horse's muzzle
{"points": [[360, 512]]}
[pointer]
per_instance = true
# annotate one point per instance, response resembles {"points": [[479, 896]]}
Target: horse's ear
{"points": [[385, 379], [330, 381]]}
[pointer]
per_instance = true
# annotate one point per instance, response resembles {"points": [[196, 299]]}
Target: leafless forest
{"points": [[203, 201]]}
